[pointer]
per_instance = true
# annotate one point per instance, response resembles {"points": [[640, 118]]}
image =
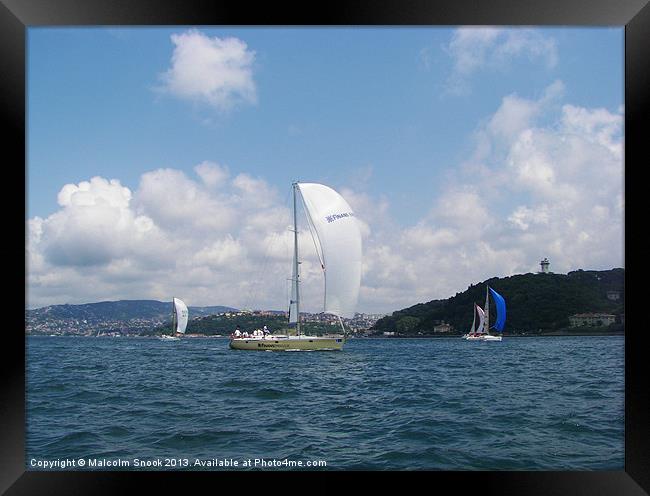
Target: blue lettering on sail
{"points": [[333, 217]]}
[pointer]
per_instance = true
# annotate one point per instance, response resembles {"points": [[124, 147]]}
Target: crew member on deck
{"points": [[237, 332]]}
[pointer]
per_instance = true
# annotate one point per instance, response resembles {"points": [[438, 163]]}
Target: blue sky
{"points": [[401, 118]]}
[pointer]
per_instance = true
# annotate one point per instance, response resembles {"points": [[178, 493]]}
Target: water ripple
{"points": [[552, 403]]}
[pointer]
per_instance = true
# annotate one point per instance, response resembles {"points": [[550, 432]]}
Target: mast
{"points": [[473, 319], [173, 317], [487, 310], [296, 265]]}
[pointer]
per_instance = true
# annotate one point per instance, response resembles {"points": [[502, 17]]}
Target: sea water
{"points": [[527, 403]]}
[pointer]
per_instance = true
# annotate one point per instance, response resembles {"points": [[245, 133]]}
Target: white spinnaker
{"points": [[182, 315], [481, 316], [339, 237]]}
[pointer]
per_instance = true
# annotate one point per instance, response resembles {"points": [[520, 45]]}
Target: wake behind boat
{"points": [[482, 332], [180, 317], [337, 238]]}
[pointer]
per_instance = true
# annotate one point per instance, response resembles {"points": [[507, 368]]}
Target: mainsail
{"points": [[338, 244], [481, 316], [473, 329], [181, 316]]}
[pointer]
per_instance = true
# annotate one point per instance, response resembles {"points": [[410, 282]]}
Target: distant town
{"points": [[44, 323], [579, 302]]}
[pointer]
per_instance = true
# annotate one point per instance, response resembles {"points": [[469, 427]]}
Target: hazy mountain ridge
{"points": [[122, 310]]}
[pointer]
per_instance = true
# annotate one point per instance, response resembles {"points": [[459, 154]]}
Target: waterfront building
{"points": [[443, 327], [591, 319]]}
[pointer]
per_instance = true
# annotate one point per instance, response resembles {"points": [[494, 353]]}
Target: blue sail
{"points": [[501, 310]]}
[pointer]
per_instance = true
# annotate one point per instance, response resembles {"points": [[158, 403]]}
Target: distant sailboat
{"points": [[472, 330], [476, 333], [337, 238], [180, 317], [482, 333]]}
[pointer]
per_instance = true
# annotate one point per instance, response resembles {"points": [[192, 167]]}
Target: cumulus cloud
{"points": [[96, 211], [531, 190], [212, 70], [545, 179], [175, 201], [174, 234], [474, 49], [211, 173]]}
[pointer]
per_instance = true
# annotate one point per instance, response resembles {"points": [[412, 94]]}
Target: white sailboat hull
{"points": [[485, 337], [288, 343], [165, 337]]}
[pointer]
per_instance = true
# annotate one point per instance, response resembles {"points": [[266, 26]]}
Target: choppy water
{"points": [[380, 404]]}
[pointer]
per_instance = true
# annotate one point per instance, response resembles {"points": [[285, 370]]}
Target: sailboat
{"points": [[483, 331], [337, 238], [476, 333], [180, 317]]}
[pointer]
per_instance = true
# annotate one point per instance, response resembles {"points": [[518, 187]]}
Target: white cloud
{"points": [[544, 180], [474, 49], [470, 47], [173, 200], [216, 71], [523, 217], [210, 240], [222, 253], [211, 173], [96, 212]]}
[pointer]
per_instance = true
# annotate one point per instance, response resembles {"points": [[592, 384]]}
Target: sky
{"points": [[160, 160]]}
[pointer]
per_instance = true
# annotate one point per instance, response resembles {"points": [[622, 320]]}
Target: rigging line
{"points": [[314, 233], [317, 244], [342, 326], [255, 291]]}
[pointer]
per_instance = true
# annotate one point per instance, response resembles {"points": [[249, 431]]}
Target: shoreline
{"points": [[537, 335], [561, 333]]}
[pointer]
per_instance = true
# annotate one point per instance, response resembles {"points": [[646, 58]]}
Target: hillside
{"points": [[125, 316], [535, 303], [122, 310], [226, 324]]}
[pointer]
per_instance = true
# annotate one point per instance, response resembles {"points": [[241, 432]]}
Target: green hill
{"points": [[535, 303], [226, 324]]}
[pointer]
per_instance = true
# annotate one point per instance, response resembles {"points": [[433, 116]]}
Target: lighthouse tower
{"points": [[544, 264]]}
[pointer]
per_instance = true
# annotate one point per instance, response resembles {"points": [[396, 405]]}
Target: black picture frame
{"points": [[18, 15]]}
